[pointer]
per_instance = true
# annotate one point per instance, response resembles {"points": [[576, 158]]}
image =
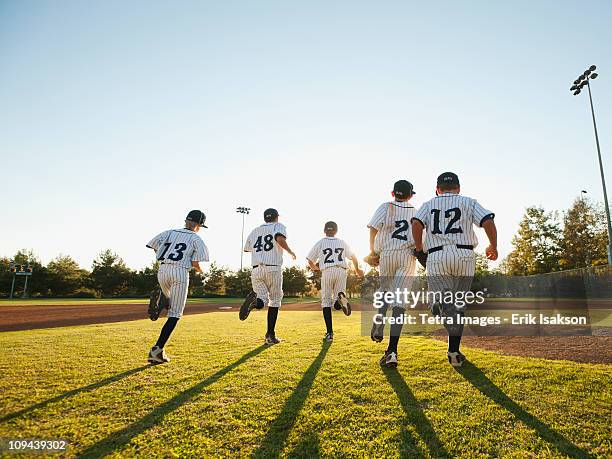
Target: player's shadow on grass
{"points": [[73, 392], [415, 416], [155, 417], [480, 381], [273, 442]]}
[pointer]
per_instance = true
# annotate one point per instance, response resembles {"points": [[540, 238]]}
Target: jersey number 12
{"points": [[456, 215]]}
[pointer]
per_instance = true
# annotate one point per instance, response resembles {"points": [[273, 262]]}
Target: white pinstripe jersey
{"points": [[392, 220], [179, 247], [330, 251], [263, 246], [449, 219]]}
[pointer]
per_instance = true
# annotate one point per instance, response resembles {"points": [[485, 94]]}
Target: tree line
{"points": [[110, 277], [549, 241]]}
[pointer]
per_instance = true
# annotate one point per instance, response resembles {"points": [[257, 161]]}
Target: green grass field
{"points": [[224, 394]]}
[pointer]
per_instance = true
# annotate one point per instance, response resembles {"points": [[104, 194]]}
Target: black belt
{"points": [[459, 246], [257, 266]]}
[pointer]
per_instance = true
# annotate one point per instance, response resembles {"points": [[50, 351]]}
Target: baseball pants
{"points": [[451, 270], [333, 281], [267, 282], [174, 282], [396, 271]]}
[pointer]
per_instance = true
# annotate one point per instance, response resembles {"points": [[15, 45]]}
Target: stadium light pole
{"points": [[244, 211], [579, 83]]}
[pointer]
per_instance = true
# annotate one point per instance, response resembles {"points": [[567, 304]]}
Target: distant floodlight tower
{"points": [[244, 211], [579, 83]]}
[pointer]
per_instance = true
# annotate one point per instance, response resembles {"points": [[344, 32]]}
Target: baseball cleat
{"points": [[377, 332], [157, 303], [389, 360], [344, 304], [456, 359], [158, 355], [249, 303], [329, 337], [271, 339]]}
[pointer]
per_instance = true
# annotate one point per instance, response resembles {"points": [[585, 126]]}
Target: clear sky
{"points": [[116, 118]]}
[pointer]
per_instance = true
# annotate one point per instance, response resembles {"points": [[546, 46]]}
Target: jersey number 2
{"points": [[174, 256], [456, 215], [402, 226]]}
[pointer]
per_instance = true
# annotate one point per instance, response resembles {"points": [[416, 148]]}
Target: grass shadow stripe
{"points": [[73, 392], [416, 417], [125, 435], [279, 430], [480, 381]]}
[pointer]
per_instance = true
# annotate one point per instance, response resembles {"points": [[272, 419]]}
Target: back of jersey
{"points": [[449, 219], [392, 220], [263, 246], [330, 251], [179, 247]]}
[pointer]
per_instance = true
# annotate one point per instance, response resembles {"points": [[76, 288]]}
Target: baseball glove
{"points": [[421, 256], [373, 259]]}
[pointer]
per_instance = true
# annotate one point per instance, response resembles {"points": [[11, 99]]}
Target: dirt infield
{"points": [[594, 349], [14, 318]]}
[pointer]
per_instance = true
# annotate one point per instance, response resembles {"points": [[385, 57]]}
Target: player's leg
{"points": [[463, 267], [258, 298], [399, 262], [274, 283], [326, 302], [176, 283], [339, 290], [385, 275], [440, 282], [405, 264]]}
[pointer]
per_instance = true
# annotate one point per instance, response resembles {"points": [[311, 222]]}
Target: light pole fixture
{"points": [[244, 211], [579, 83]]}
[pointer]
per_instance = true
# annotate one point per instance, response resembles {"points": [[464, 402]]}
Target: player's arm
{"points": [[417, 234], [200, 255], [282, 241], [484, 218], [373, 233], [154, 243], [196, 265], [248, 245], [491, 231], [356, 265], [313, 265]]}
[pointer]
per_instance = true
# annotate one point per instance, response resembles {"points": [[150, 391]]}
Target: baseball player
{"points": [[177, 251], [266, 244], [448, 220], [391, 245], [330, 255]]}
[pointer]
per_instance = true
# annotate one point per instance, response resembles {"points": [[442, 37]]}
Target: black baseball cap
{"points": [[331, 226], [403, 189], [197, 216], [270, 214], [448, 178]]}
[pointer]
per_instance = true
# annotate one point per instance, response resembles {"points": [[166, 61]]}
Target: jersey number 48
{"points": [[264, 243]]}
